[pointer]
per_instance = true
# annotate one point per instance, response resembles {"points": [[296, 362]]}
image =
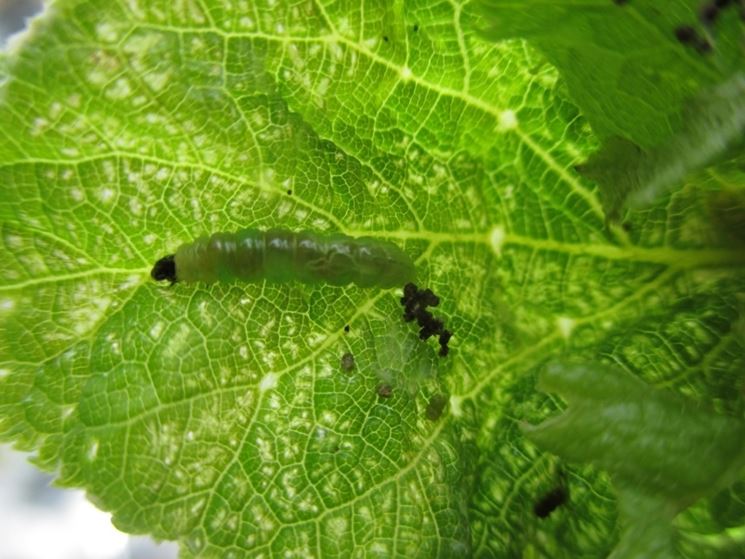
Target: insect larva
{"points": [[279, 255]]}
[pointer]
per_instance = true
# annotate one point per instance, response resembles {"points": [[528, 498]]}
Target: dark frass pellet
{"points": [[709, 12], [385, 390], [415, 303], [549, 502], [436, 406], [347, 362], [443, 340], [686, 34]]}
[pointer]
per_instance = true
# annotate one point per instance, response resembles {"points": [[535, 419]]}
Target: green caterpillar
{"points": [[277, 255]]}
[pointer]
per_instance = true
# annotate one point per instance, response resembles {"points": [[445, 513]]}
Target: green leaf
{"points": [[621, 61], [663, 452], [648, 439], [662, 106], [712, 125], [221, 416]]}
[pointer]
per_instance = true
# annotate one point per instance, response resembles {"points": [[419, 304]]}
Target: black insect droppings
{"points": [[289, 192], [445, 336], [710, 11], [549, 502], [346, 328], [687, 35], [385, 390], [415, 304], [385, 38], [416, 27], [709, 14], [703, 46], [347, 362], [429, 328], [435, 407]]}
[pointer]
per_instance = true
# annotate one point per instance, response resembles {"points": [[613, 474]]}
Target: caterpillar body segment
{"points": [[279, 255]]}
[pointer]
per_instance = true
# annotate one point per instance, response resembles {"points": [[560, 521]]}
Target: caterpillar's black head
{"points": [[164, 269]]}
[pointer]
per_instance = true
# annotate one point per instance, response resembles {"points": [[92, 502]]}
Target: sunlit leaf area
{"points": [[564, 183]]}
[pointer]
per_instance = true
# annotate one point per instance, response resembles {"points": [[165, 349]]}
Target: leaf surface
{"points": [[221, 416], [662, 86]]}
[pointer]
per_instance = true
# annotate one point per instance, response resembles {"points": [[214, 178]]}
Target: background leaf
{"points": [[662, 86], [663, 452], [622, 61], [221, 417]]}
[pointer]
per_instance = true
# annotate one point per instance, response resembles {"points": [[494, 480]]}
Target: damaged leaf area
{"points": [[310, 420]]}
